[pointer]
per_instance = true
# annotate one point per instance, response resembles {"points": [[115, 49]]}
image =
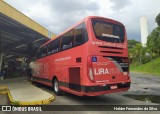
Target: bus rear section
{"points": [[107, 61], [106, 76]]}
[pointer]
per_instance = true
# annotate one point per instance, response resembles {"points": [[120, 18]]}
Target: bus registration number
{"points": [[113, 87]]}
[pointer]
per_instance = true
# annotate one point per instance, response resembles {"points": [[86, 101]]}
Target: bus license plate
{"points": [[113, 86]]}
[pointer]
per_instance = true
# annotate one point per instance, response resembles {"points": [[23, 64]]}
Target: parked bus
{"points": [[88, 59]]}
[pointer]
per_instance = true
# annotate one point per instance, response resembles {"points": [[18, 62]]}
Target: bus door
{"points": [[75, 78]]}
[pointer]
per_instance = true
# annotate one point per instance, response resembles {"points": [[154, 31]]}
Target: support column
{"points": [[0, 41], [1, 60], [1, 54]]}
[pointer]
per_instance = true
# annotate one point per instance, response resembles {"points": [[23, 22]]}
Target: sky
{"points": [[58, 15]]}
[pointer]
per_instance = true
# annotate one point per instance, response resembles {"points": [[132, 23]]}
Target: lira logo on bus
{"points": [[103, 71]]}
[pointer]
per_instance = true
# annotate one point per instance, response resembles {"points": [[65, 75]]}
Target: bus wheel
{"points": [[56, 87]]}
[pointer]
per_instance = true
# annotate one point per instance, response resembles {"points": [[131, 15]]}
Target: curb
{"points": [[5, 90]]}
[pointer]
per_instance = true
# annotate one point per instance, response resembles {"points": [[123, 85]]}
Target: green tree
{"points": [[158, 19], [132, 43], [153, 42], [132, 54], [145, 56], [138, 48]]}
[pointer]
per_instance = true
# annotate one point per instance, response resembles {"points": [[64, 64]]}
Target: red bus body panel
{"points": [[72, 66]]}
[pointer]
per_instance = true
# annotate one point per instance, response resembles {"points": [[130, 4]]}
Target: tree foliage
{"points": [[144, 54], [132, 43], [158, 19], [134, 50], [153, 41]]}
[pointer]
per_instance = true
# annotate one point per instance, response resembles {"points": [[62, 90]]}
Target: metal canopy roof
{"points": [[18, 33], [15, 37]]}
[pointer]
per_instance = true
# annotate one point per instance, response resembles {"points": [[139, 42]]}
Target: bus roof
{"points": [[81, 21]]}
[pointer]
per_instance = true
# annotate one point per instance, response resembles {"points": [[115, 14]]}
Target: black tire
{"points": [[56, 87]]}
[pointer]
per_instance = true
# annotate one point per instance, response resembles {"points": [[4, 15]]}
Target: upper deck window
{"points": [[108, 32]]}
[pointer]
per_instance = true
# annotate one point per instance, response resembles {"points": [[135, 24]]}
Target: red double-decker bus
{"points": [[90, 58]]}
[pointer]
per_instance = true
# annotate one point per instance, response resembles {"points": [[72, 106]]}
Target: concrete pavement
{"points": [[4, 100], [137, 87], [22, 92], [144, 84]]}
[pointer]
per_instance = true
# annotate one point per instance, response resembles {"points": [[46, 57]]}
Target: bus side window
{"points": [[43, 51], [80, 34], [50, 48], [38, 54], [53, 47], [67, 40]]}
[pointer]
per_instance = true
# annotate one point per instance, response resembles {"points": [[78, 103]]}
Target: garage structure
{"points": [[19, 35]]}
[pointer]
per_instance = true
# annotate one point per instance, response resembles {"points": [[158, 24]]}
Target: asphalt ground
{"points": [[142, 84], [4, 100]]}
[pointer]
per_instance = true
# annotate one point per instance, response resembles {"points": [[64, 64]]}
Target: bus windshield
{"points": [[108, 32]]}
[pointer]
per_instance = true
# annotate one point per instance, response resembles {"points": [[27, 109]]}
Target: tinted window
{"points": [[39, 54], [108, 31], [53, 47], [74, 37], [80, 33], [43, 51], [67, 40]]}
